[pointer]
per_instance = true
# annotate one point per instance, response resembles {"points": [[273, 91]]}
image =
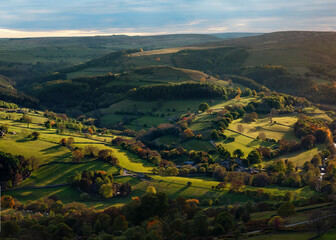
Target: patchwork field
{"points": [[281, 128]]}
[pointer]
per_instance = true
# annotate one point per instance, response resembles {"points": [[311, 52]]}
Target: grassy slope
{"points": [[47, 148], [296, 50], [50, 174], [282, 129]]}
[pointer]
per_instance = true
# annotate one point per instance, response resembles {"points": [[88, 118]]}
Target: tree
{"points": [[226, 220], [261, 180], [60, 127], [120, 223], [26, 119], [308, 142], [254, 157], [151, 190], [254, 93], [223, 152], [35, 135], [70, 141], [33, 163], [63, 141], [286, 209], [136, 233], [201, 224], [106, 190], [188, 133], [272, 114], [316, 160], [240, 128], [250, 117], [91, 151], [62, 231], [238, 92], [214, 134], [276, 223], [318, 220], [7, 201], [238, 153], [10, 229], [219, 173], [262, 136], [4, 128], [77, 155], [203, 107], [84, 197], [104, 154], [236, 184], [48, 125]]}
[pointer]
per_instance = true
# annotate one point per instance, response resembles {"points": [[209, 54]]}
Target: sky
{"points": [[36, 18]]}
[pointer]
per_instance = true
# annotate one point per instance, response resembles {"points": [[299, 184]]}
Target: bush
{"points": [[287, 209], [84, 197]]}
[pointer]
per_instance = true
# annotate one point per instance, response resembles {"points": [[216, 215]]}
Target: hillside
{"points": [[24, 60], [82, 94], [296, 50]]}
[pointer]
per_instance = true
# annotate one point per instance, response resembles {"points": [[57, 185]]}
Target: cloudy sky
{"points": [[29, 18]]}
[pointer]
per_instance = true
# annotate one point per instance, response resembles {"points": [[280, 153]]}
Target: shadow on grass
{"points": [[23, 140], [181, 190], [52, 149], [135, 159], [64, 156]]}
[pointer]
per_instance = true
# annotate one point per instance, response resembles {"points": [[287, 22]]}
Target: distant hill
{"points": [[234, 35], [114, 42], [296, 50]]}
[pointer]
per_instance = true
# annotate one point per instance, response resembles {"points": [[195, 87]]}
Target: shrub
{"points": [[84, 197]]}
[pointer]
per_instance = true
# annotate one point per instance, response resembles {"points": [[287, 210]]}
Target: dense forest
{"points": [[180, 91]]}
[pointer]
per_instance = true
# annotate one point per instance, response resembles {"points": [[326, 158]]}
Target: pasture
{"points": [[281, 128]]}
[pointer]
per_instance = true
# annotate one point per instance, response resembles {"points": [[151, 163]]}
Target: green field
{"points": [[245, 143], [299, 158], [282, 129], [58, 173]]}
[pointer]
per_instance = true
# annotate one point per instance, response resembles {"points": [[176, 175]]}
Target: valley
{"points": [[240, 127]]}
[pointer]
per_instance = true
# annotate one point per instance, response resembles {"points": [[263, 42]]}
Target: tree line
{"points": [[179, 91]]}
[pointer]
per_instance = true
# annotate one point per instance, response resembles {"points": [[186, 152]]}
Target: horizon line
{"points": [[17, 34]]}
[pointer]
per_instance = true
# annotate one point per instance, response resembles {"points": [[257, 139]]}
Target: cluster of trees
{"points": [[62, 123], [278, 78], [312, 130], [249, 83], [101, 183], [12, 95], [179, 91], [173, 153], [282, 103], [151, 216], [138, 148], [79, 95], [161, 130], [14, 169], [4, 104], [224, 118]]}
